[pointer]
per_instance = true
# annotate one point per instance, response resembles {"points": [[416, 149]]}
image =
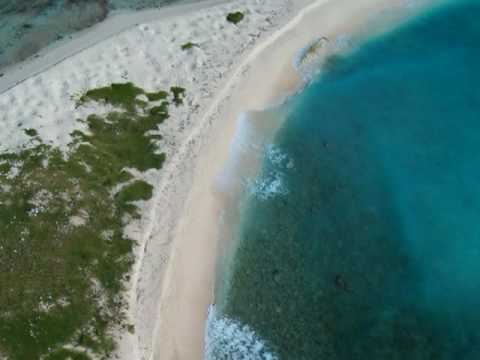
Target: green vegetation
{"points": [[189, 45], [63, 254], [123, 95], [139, 190], [64, 354], [126, 96], [31, 132], [178, 95], [235, 17], [160, 95], [130, 328]]}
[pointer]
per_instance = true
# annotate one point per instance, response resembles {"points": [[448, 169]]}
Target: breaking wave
{"points": [[271, 182], [228, 339], [251, 145], [245, 147]]}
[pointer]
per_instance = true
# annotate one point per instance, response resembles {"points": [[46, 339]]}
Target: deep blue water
{"points": [[371, 250], [27, 26]]}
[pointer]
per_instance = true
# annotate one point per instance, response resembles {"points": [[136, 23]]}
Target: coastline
{"points": [[265, 78], [172, 280], [302, 283]]}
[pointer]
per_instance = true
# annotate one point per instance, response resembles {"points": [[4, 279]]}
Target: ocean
{"points": [[27, 26], [359, 238]]}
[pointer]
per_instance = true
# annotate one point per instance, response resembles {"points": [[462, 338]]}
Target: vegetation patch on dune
{"points": [[189, 45], [64, 257], [235, 17], [178, 95]]}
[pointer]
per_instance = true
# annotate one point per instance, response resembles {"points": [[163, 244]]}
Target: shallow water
{"points": [[369, 245], [26, 26]]}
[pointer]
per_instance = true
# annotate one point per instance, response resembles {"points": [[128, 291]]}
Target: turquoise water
{"points": [[26, 26], [369, 247]]}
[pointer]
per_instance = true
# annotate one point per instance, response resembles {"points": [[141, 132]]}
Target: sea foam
{"points": [[229, 339], [250, 148], [271, 181], [245, 147]]}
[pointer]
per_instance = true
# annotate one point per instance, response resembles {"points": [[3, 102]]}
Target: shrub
{"points": [[189, 45], [235, 17]]}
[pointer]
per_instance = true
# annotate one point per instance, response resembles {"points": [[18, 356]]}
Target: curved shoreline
{"points": [[263, 77], [249, 68]]}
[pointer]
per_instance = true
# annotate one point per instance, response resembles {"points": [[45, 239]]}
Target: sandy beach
{"points": [[234, 68]]}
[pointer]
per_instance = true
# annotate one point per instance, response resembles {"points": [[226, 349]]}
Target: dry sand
{"points": [[235, 69]]}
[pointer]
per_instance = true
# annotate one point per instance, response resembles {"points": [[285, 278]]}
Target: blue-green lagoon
{"points": [[360, 237]]}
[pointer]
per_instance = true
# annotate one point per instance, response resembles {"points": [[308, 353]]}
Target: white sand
{"points": [[236, 68]]}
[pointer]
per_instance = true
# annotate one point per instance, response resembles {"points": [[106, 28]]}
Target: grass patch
{"points": [[122, 95], [189, 45], [178, 95], [160, 95], [67, 354], [31, 132], [235, 17], [138, 190], [63, 254], [131, 328]]}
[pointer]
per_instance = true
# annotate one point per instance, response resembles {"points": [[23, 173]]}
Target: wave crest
{"points": [[271, 183], [229, 339]]}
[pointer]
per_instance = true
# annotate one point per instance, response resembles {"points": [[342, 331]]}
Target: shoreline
{"points": [[181, 304], [247, 68]]}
